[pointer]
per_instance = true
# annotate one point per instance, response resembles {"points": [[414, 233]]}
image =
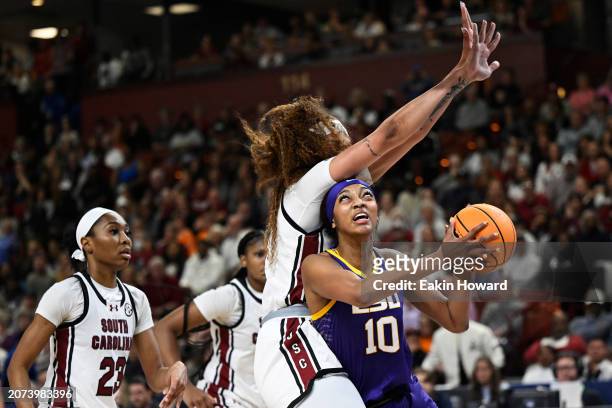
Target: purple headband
{"points": [[332, 195]]}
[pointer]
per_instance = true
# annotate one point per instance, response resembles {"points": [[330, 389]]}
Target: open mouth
{"points": [[361, 217], [126, 253]]}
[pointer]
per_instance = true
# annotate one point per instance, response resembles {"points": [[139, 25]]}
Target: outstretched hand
{"points": [[177, 381], [477, 47]]}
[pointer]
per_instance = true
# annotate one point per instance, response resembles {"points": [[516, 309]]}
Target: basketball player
{"points": [[299, 152], [234, 313], [92, 320], [364, 328]]}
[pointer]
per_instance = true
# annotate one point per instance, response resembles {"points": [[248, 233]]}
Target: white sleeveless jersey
{"points": [[228, 375], [90, 354], [296, 238]]}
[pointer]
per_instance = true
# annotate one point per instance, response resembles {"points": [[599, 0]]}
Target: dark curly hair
{"points": [[289, 141]]}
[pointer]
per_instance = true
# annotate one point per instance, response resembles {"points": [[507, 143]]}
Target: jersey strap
{"points": [[123, 287], [85, 304], [233, 326], [335, 255]]}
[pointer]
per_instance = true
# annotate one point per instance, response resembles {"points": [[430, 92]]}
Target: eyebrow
{"points": [[119, 224], [346, 190]]}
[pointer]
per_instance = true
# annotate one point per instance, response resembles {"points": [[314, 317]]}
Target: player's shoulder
{"points": [[66, 285], [136, 293]]}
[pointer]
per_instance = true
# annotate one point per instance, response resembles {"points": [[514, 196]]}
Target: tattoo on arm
{"points": [[455, 89], [367, 142]]}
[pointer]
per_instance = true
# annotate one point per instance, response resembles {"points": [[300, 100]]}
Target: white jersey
{"points": [[299, 234], [234, 311], [90, 352]]}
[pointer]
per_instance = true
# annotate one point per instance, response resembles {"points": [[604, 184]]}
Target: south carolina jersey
{"points": [[228, 375], [90, 353], [299, 234], [370, 345]]}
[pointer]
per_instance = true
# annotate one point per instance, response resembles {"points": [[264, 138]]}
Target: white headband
{"points": [[85, 224], [336, 124]]}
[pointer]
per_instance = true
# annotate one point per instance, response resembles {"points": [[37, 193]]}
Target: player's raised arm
{"points": [[401, 131]]}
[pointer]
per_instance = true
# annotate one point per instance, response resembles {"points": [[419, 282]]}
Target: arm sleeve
{"points": [[145, 318], [223, 304], [62, 302]]}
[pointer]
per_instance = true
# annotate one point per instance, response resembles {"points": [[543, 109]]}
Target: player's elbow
{"points": [[13, 370], [459, 326]]}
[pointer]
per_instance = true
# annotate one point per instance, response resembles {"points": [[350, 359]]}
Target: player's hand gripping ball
{"points": [[497, 222]]}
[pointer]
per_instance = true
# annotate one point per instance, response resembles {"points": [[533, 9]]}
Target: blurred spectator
{"points": [[187, 135], [559, 340], [234, 232], [369, 26], [418, 355], [597, 363], [39, 279], [568, 137], [541, 372], [572, 391], [206, 51], [485, 384], [506, 91], [203, 270], [473, 112], [109, 72], [581, 98], [139, 394], [455, 354], [8, 239], [596, 322], [417, 82], [605, 89], [270, 56]]}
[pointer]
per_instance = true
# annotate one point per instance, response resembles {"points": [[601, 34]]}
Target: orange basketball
{"points": [[498, 221]]}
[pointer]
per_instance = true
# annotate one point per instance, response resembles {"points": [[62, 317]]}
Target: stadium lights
{"points": [[177, 8], [184, 8], [38, 3], [45, 33]]}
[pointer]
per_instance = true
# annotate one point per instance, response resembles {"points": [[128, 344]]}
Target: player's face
{"points": [[356, 211], [110, 243], [254, 260]]}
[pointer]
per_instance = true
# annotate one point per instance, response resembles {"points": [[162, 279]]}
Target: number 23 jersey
{"points": [[95, 328]]}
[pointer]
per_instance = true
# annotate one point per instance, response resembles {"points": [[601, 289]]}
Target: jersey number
{"points": [[110, 366], [378, 332]]}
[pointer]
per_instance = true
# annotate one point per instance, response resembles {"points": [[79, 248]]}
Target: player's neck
{"points": [[258, 286], [105, 276], [351, 249]]}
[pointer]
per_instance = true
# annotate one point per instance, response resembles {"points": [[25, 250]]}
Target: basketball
{"points": [[498, 221]]}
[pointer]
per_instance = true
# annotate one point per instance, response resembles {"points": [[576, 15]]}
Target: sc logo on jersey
{"points": [[127, 308]]}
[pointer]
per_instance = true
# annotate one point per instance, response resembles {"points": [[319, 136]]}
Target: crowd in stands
{"points": [[187, 188], [75, 55]]}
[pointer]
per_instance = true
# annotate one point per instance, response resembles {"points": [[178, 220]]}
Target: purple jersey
{"points": [[370, 344]]}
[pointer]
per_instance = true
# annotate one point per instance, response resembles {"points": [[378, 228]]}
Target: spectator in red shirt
{"points": [[559, 340], [582, 97]]}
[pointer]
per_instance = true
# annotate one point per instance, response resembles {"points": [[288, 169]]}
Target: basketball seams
{"points": [[498, 229], [462, 224]]}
